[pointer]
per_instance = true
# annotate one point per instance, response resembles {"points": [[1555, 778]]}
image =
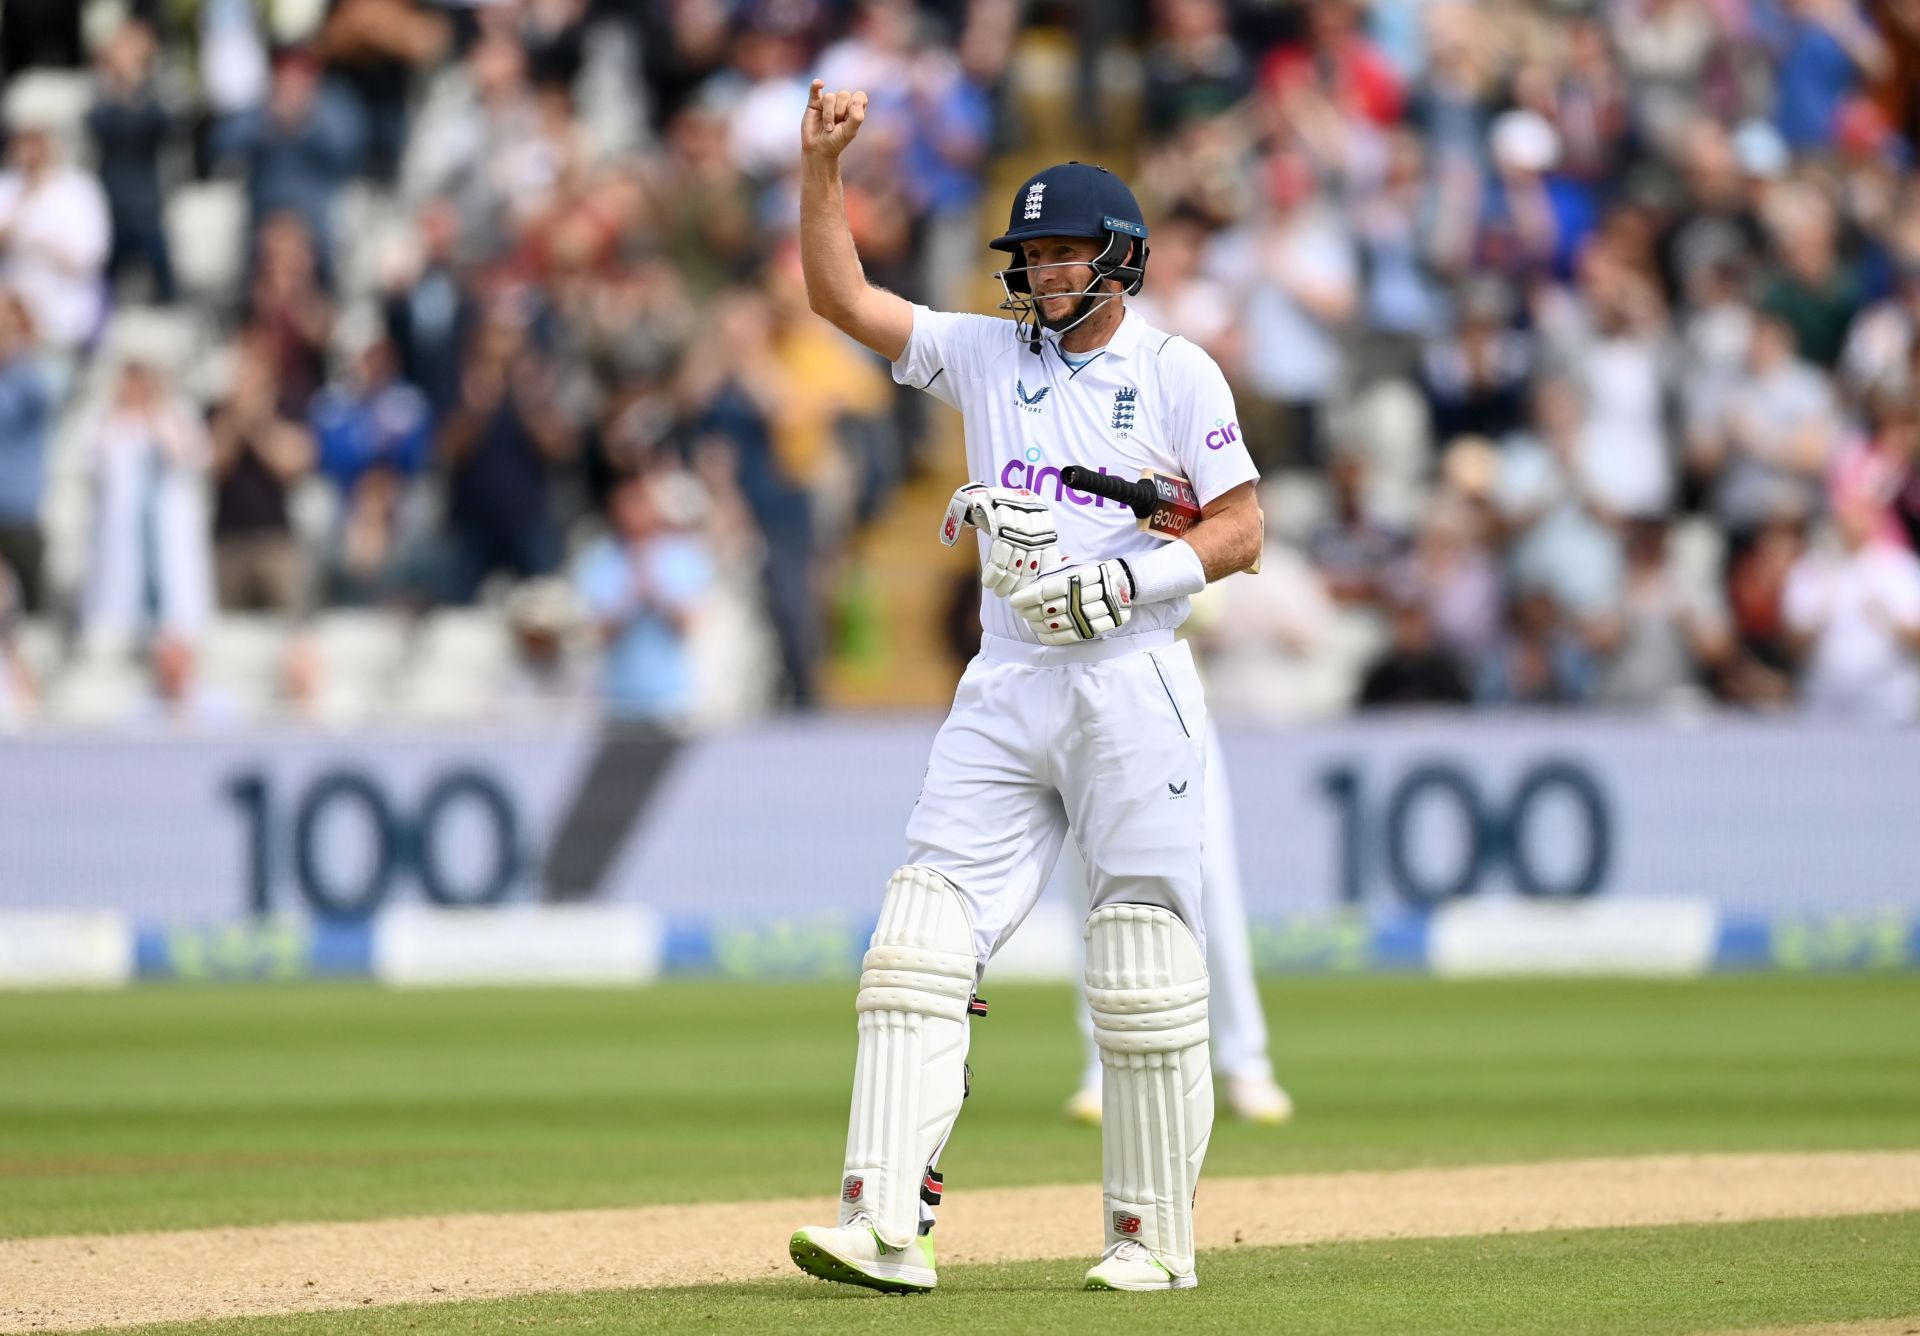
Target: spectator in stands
{"points": [[1615, 337], [1294, 265], [298, 150], [644, 586], [1766, 445], [130, 127], [1756, 595], [178, 697], [1354, 553], [1452, 572], [708, 226], [1337, 66], [259, 454], [54, 228], [1561, 541], [1415, 669], [1536, 660], [945, 154], [1392, 223], [26, 428], [1896, 452], [428, 309], [1663, 635], [1194, 68], [730, 384], [1880, 350], [374, 46], [482, 144], [1813, 291], [1476, 377], [1665, 50], [1855, 615], [370, 418], [499, 445], [1823, 48], [233, 68], [288, 309], [376, 555], [150, 562], [1534, 219]]}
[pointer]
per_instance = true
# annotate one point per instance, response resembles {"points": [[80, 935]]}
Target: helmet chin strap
{"points": [[1034, 326]]}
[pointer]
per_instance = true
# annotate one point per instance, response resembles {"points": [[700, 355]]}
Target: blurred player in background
{"points": [[1081, 713], [1239, 1029]]}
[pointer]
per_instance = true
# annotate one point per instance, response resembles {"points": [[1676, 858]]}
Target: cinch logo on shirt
{"points": [[1224, 434], [1023, 473]]}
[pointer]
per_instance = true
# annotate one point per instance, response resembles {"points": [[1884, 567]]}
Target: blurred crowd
{"points": [[312, 306], [1579, 336], [1576, 340]]}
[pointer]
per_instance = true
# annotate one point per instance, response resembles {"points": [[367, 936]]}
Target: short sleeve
{"points": [[936, 353], [1203, 426]]}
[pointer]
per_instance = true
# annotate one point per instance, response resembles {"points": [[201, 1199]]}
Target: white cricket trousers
{"points": [[1106, 739], [1239, 1029]]}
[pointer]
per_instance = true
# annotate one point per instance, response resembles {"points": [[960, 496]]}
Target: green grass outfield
{"points": [[169, 1107]]}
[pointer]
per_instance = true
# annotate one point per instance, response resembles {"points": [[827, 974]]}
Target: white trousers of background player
{"points": [[1109, 739], [1238, 1024]]}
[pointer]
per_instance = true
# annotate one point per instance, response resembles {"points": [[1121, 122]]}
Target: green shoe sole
{"points": [[811, 1258]]}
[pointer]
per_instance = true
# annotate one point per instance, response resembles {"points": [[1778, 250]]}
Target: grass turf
{"points": [[1648, 1282], [174, 1107]]}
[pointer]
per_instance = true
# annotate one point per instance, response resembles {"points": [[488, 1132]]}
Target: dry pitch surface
{"points": [[69, 1284]]}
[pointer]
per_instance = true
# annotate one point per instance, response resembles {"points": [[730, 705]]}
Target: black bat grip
{"points": [[1137, 494]]}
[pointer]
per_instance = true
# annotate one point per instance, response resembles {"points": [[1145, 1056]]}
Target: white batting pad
{"points": [[1147, 989], [910, 1073]]}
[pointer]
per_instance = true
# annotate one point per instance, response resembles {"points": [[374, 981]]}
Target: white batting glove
{"points": [[1018, 524], [1077, 603]]}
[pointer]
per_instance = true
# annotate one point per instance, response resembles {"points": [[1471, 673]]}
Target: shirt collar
{"points": [[1127, 337]]}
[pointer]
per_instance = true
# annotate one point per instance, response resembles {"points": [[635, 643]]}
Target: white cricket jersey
{"points": [[1148, 400]]}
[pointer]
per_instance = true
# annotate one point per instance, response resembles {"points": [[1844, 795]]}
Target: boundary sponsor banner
{"points": [[777, 837], [627, 944]]}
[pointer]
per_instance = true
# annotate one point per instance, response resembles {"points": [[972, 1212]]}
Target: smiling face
{"points": [[1057, 289]]}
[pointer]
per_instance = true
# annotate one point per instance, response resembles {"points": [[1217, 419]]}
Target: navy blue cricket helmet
{"points": [[1074, 199]]}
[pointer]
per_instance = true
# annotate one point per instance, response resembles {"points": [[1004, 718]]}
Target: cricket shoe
{"points": [[1257, 1099], [854, 1255], [1134, 1266]]}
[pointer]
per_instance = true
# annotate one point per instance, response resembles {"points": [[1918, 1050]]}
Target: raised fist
{"points": [[831, 121]]}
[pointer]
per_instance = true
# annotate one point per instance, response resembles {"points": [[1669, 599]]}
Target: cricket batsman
{"points": [[1082, 713]]}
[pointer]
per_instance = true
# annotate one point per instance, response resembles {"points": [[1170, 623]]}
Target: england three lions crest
{"points": [[1123, 403]]}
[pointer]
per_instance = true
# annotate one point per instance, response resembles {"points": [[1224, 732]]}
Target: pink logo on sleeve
{"points": [[1224, 433]]}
